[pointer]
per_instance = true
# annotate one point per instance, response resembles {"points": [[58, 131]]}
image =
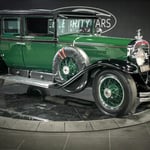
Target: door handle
{"points": [[20, 43]]}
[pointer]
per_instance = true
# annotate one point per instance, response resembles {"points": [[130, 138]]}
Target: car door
{"points": [[40, 46], [11, 44]]}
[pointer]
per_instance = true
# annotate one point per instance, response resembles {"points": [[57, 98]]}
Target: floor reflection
{"points": [[16, 103]]}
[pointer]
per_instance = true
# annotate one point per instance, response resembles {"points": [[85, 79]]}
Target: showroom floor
{"points": [[134, 138], [62, 123]]}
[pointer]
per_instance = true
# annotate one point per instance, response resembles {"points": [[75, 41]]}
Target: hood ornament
{"points": [[138, 36]]}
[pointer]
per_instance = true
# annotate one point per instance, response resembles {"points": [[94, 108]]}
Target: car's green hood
{"points": [[98, 47], [78, 39]]}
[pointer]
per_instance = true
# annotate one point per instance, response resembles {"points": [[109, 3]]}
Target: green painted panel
{"points": [[39, 53], [12, 51], [95, 39], [99, 47]]}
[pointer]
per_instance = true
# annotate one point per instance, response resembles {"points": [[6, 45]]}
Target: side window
{"points": [[11, 25], [38, 26]]}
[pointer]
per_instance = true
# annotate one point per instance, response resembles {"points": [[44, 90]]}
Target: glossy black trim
{"points": [[100, 66], [124, 66]]}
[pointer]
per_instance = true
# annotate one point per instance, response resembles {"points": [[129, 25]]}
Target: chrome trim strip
{"points": [[144, 97], [75, 40], [142, 100], [28, 81], [97, 45]]}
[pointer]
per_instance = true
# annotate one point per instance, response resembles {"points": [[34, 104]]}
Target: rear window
{"points": [[11, 25], [37, 26]]}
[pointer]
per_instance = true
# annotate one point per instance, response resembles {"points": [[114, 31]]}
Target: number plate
{"points": [[145, 68]]}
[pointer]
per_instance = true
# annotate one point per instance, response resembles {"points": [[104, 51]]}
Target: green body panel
{"points": [[37, 52], [99, 47], [28, 52], [11, 51]]}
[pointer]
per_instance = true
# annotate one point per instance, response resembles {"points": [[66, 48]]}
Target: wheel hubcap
{"points": [[68, 68], [107, 93], [111, 92]]}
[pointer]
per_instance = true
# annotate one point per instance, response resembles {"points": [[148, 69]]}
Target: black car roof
{"points": [[73, 11], [26, 12]]}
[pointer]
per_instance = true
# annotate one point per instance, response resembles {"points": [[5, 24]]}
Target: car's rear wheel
{"points": [[36, 92], [115, 92]]}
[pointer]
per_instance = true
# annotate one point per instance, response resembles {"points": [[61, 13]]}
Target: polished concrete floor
{"points": [[131, 132], [15, 102], [129, 138]]}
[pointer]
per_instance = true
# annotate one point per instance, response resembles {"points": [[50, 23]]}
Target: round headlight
{"points": [[138, 52], [140, 56]]}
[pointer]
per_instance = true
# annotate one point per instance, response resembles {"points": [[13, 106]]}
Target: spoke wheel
{"points": [[68, 68], [68, 62], [111, 92], [115, 93]]}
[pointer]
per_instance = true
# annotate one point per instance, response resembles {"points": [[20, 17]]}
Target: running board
{"points": [[28, 81]]}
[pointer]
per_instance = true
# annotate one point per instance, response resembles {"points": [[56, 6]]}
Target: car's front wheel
{"points": [[115, 92]]}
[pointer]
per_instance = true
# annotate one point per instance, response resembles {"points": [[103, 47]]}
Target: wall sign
{"points": [[106, 20]]}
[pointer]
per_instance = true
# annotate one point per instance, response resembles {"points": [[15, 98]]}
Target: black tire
{"points": [[115, 93], [3, 67], [1, 82], [36, 92], [67, 62]]}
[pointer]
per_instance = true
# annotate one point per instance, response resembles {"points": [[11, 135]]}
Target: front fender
{"points": [[100, 66], [124, 66]]}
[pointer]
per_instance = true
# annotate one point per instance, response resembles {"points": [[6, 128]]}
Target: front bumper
{"points": [[144, 97]]}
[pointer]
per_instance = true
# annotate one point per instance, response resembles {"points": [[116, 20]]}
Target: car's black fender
{"points": [[100, 66]]}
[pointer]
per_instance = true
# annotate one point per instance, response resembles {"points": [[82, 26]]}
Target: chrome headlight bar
{"points": [[139, 51]]}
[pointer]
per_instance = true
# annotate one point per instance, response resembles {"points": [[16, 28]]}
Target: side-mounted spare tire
{"points": [[67, 62]]}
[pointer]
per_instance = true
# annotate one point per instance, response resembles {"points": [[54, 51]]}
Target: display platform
{"points": [[66, 123], [29, 110]]}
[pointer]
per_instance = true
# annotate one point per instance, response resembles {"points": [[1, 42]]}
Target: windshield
{"points": [[69, 26], [73, 25]]}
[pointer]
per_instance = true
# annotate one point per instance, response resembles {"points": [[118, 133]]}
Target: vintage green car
{"points": [[64, 49]]}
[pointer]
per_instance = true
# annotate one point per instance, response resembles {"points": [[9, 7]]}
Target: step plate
{"points": [[28, 81]]}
